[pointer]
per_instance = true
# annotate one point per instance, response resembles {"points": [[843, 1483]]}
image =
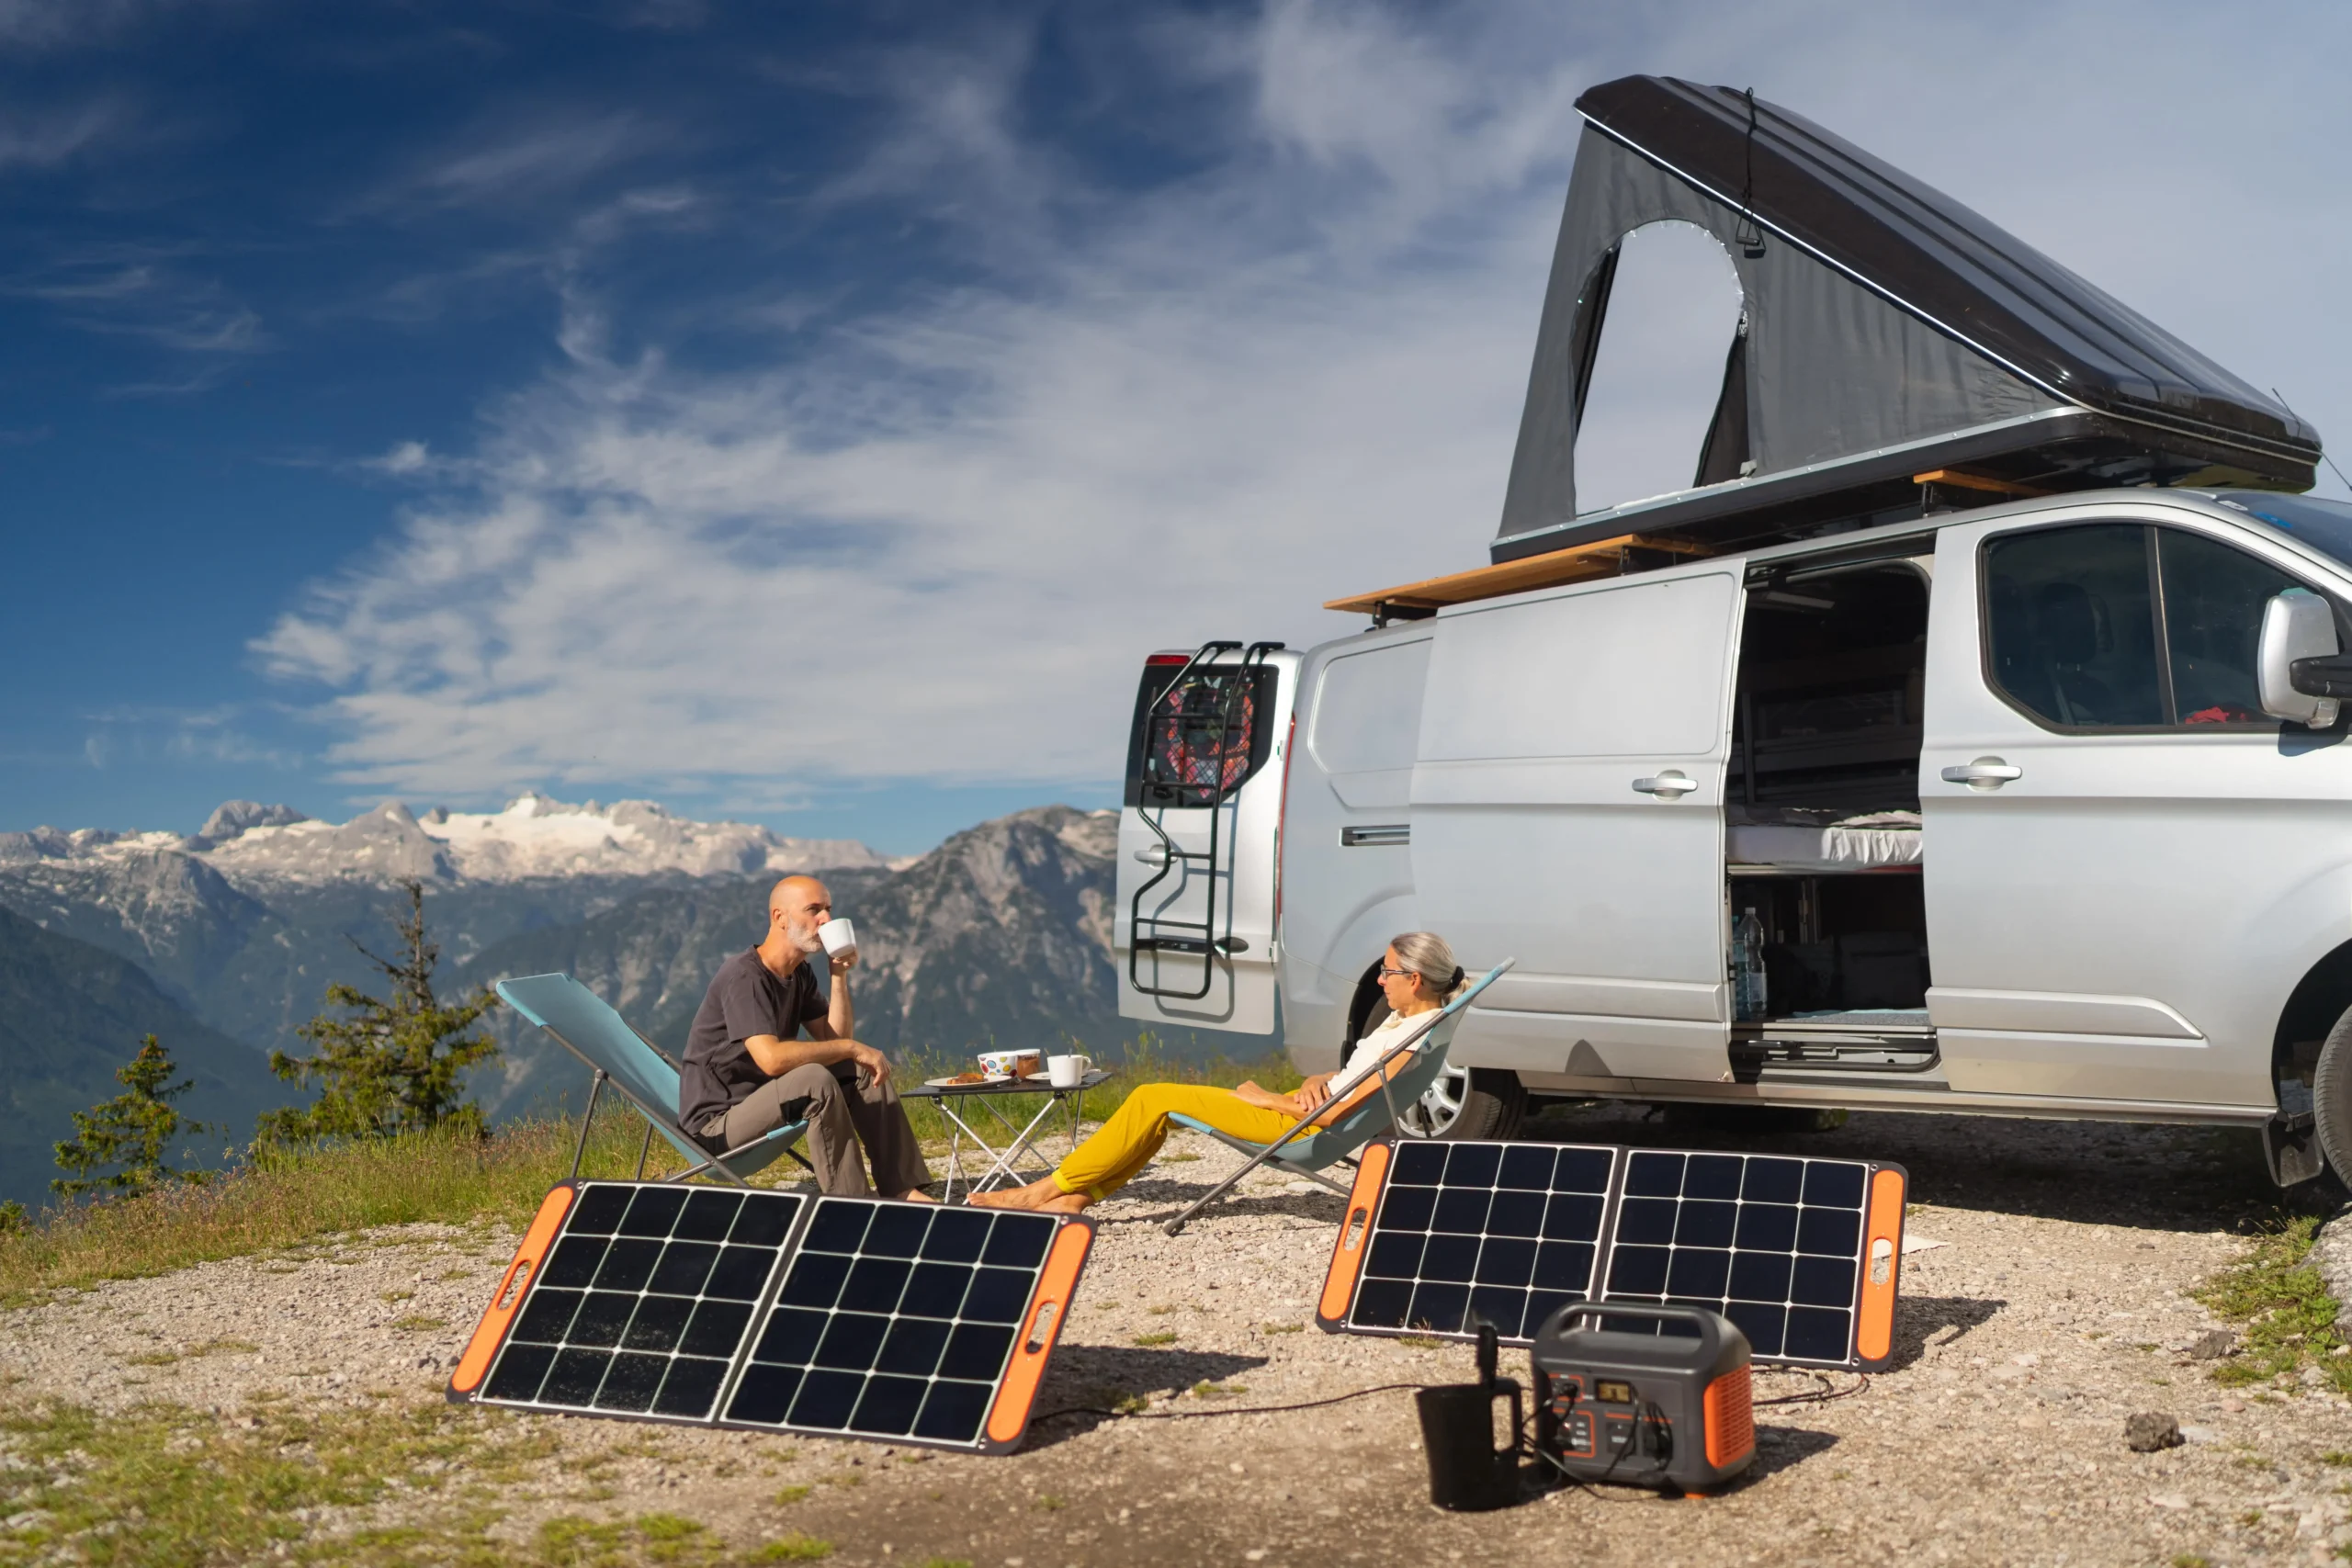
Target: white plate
{"points": [[949, 1082]]}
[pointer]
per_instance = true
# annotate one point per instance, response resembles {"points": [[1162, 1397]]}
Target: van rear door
{"points": [[1193, 929]]}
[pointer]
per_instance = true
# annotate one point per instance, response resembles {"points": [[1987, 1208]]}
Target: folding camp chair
{"points": [[1338, 1144], [639, 1072]]}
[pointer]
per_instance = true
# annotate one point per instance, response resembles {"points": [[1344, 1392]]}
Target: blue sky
{"points": [[811, 414]]}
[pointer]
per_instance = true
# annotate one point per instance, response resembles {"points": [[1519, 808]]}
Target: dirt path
{"points": [[2051, 1307]]}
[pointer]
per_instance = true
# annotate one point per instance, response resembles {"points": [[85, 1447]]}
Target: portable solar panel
{"points": [[1802, 1254], [906, 1323]]}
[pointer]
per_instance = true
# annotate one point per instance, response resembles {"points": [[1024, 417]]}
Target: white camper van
{"points": [[1811, 786]]}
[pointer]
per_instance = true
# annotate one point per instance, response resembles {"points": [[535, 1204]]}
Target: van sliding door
{"points": [[1568, 808]]}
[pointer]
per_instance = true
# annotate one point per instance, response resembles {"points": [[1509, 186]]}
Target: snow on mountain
{"points": [[247, 842]]}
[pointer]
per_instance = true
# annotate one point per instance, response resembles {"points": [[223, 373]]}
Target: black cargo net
{"points": [[1197, 748]]}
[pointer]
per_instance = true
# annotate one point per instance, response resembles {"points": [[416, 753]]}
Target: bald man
{"points": [[747, 1072]]}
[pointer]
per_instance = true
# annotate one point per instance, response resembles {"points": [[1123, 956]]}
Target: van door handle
{"points": [[1985, 772], [1156, 856], [1671, 784]]}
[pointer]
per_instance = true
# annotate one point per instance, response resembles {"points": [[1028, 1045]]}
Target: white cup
{"points": [[838, 936], [1065, 1072]]}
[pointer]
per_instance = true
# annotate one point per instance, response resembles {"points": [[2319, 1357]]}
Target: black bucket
{"points": [[1467, 1473]]}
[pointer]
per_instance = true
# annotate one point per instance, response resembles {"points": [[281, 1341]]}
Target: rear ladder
{"points": [[1161, 934]]}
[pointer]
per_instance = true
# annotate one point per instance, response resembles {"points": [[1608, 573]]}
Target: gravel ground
{"points": [[2042, 1303]]}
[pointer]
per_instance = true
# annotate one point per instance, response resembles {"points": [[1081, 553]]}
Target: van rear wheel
{"points": [[1467, 1103], [2331, 1099]]}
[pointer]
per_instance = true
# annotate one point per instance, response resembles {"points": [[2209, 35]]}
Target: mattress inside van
{"points": [[1867, 843]]}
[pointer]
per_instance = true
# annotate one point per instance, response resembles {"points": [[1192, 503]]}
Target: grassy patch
{"points": [[793, 1494], [163, 1486], [415, 1323], [289, 1200], [1282, 1328], [794, 1548], [295, 1205], [1419, 1342], [1204, 1389], [2288, 1318], [1153, 1342]]}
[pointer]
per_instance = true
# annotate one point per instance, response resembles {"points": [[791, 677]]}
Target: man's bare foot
{"points": [[916, 1195]]}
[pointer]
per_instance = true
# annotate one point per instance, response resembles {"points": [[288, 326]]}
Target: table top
{"points": [[1011, 1085]]}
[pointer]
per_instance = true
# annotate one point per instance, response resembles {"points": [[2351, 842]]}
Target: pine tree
{"points": [[389, 1065], [14, 1221], [132, 1131]]}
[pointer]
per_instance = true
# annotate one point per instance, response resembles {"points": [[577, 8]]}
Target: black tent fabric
{"points": [[1880, 316]]}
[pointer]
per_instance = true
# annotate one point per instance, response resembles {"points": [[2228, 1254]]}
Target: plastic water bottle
{"points": [[1748, 968]]}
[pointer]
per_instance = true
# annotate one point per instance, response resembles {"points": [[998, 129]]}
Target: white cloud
{"points": [[937, 545]]}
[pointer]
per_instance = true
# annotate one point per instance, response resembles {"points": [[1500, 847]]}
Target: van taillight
{"points": [[1158, 659], [1281, 815]]}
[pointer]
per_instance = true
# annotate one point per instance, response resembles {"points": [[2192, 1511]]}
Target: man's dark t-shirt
{"points": [[744, 999]]}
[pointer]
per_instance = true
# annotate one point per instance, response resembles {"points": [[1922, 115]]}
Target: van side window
{"points": [[2213, 599], [2070, 625], [2126, 625]]}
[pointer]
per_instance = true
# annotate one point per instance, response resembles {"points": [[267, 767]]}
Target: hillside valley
{"points": [[227, 938]]}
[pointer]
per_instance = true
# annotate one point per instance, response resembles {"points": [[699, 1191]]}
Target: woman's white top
{"points": [[1378, 1044]]}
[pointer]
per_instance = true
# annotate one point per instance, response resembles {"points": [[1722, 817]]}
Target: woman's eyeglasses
{"points": [[1385, 972]]}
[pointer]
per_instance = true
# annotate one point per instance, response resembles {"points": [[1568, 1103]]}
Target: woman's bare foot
{"points": [[916, 1195], [1045, 1196]]}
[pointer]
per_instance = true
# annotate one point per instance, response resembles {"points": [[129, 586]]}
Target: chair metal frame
{"points": [[1261, 1152], [656, 1119]]}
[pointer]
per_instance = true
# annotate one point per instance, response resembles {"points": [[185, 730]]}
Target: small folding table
{"points": [[1003, 1165]]}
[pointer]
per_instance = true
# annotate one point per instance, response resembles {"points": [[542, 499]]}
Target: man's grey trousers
{"points": [[840, 1116]]}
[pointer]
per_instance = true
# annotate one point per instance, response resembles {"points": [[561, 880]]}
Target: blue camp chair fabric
{"points": [[584, 1024]]}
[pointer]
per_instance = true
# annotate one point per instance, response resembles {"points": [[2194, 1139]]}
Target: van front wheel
{"points": [[2331, 1099], [1467, 1103]]}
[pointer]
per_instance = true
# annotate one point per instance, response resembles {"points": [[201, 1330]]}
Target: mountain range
{"points": [[226, 941]]}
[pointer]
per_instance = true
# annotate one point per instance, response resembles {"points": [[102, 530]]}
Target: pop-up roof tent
{"points": [[1889, 333]]}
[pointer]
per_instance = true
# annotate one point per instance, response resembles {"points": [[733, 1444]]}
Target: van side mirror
{"points": [[2297, 637]]}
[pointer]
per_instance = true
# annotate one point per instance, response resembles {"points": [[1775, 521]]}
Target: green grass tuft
{"points": [[2290, 1318]]}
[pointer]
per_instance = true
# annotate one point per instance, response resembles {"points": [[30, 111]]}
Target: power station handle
{"points": [[1672, 784], [1699, 1318]]}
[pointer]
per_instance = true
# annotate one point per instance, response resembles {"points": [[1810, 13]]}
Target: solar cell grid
{"points": [[1503, 1232], [644, 1300], [853, 1317], [894, 1321], [1772, 1242], [1453, 1232]]}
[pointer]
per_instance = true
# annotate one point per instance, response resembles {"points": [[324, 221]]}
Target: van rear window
{"points": [[1199, 737]]}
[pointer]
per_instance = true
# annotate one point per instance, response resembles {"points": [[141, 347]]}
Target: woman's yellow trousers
{"points": [[1125, 1145]]}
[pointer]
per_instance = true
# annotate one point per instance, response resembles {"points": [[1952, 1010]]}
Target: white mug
{"points": [[1065, 1072], [838, 936]]}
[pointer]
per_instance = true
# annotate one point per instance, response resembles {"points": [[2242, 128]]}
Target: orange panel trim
{"points": [[1347, 1250], [1057, 1282], [492, 1331], [1874, 1334], [1729, 1407]]}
